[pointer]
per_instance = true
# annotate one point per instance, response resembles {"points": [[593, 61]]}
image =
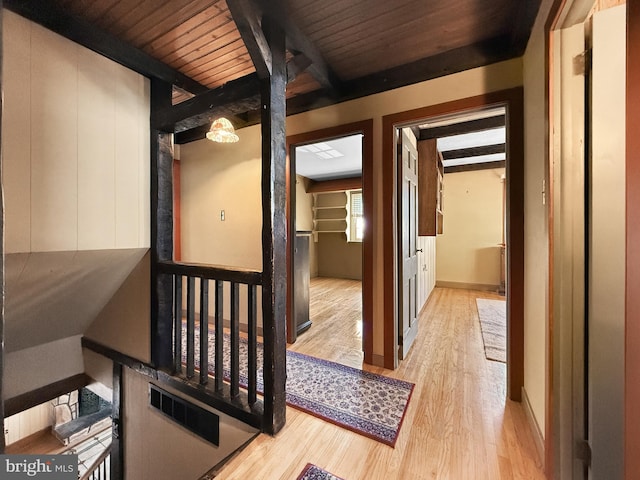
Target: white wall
{"points": [[28, 422], [237, 241], [468, 252], [426, 268], [76, 175], [75, 145]]}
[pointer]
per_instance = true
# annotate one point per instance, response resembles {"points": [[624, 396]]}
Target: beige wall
{"points": [[237, 187], [467, 252], [31, 368], [304, 220], [536, 260], [123, 323], [338, 258], [215, 177], [158, 448], [75, 145]]}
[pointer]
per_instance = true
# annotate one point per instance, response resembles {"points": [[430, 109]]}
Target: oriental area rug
{"points": [[313, 472], [493, 324], [366, 403]]}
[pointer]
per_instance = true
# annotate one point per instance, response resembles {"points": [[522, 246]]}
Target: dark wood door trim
{"points": [[512, 99], [366, 128], [632, 316]]}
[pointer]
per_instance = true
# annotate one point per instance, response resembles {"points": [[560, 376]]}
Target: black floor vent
{"points": [[200, 421]]}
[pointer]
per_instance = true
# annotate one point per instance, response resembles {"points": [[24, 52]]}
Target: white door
{"points": [[408, 236]]}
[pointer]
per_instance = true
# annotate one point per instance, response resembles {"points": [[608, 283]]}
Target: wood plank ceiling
{"points": [[349, 48]]}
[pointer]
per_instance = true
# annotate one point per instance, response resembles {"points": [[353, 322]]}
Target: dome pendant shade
{"points": [[222, 131]]}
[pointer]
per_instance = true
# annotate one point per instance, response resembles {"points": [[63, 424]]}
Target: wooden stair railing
{"points": [[99, 469], [199, 293]]}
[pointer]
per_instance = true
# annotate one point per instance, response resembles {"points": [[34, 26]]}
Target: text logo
{"points": [[50, 467]]}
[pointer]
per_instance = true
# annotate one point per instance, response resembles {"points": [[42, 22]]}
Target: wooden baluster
{"points": [[219, 325], [204, 331], [177, 324], [252, 344], [235, 339], [191, 321]]}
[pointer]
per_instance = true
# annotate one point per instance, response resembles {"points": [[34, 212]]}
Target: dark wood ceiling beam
{"points": [[233, 98], [473, 151], [490, 51], [198, 133], [524, 18], [298, 42], [44, 394], [47, 14], [247, 18], [463, 127], [472, 167]]}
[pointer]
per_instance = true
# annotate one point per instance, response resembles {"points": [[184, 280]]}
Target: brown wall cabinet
{"points": [[430, 189]]}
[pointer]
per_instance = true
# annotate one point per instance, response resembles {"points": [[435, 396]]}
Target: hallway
{"points": [[458, 423]]}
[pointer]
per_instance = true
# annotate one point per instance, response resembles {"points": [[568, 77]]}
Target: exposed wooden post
{"points": [[274, 230], [2, 445], [117, 437], [161, 232]]}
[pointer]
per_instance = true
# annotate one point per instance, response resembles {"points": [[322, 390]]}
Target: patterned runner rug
{"points": [[313, 472], [369, 404], [493, 324]]}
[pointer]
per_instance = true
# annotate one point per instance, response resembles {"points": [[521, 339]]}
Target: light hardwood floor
{"points": [[458, 424]]}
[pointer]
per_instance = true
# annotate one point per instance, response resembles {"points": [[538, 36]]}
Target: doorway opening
{"points": [[330, 256], [462, 158], [329, 226], [511, 101]]}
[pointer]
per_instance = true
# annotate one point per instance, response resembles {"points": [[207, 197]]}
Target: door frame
{"points": [[632, 340], [364, 127], [512, 100]]}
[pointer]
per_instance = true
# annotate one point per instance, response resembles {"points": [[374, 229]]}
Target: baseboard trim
{"points": [[468, 286], [533, 425], [377, 360]]}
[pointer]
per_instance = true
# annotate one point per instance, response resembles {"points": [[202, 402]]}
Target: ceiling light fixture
{"points": [[222, 131]]}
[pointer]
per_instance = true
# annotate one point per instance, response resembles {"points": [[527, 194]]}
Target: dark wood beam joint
{"points": [[247, 17], [52, 17], [298, 64], [298, 42], [233, 98]]}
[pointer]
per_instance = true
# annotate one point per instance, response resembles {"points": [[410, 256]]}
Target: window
{"points": [[356, 216]]}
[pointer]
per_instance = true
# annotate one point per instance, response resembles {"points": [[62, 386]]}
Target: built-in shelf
{"points": [[430, 189], [330, 213]]}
